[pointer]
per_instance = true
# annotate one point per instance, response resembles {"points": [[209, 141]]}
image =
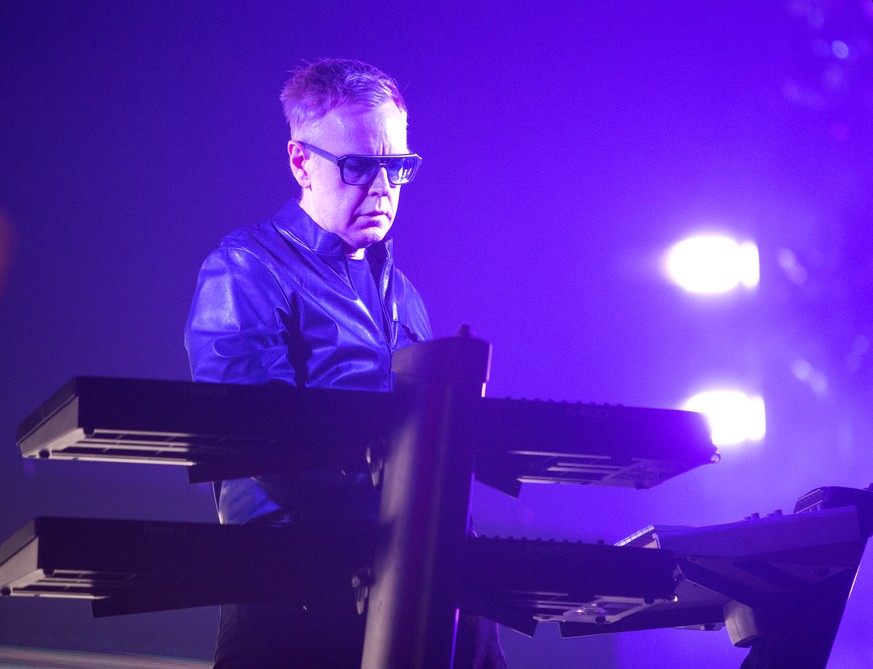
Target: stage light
{"points": [[734, 416], [713, 264]]}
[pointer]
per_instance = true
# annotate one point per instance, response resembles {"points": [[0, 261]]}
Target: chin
{"points": [[374, 235]]}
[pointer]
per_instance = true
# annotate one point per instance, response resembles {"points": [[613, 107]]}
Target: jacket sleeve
{"points": [[237, 328]]}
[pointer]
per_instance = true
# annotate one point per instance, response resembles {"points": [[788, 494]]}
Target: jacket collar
{"points": [[295, 222]]}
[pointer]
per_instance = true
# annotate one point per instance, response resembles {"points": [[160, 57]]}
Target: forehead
{"points": [[359, 129]]}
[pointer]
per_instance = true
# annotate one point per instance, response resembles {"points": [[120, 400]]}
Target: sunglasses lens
{"points": [[361, 170], [358, 170], [401, 170]]}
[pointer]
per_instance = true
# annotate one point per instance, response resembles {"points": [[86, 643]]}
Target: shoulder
{"points": [[252, 239], [411, 305], [262, 243], [243, 261], [402, 283]]}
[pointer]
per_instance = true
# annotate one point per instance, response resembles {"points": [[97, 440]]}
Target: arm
{"points": [[237, 327]]}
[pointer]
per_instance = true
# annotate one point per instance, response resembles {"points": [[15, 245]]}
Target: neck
{"points": [[348, 251], [353, 254]]}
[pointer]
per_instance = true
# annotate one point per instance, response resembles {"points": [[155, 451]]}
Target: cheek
{"points": [[351, 203], [338, 201], [394, 199]]}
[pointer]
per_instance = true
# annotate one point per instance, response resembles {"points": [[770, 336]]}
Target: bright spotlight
{"points": [[713, 264], [734, 416]]}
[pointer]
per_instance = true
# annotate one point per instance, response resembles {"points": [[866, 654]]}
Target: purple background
{"points": [[565, 149]]}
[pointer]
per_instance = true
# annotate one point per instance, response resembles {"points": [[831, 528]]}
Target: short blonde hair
{"points": [[316, 89]]}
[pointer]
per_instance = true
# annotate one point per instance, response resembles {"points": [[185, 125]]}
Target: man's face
{"points": [[359, 215]]}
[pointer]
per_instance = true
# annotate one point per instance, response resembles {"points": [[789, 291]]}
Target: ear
{"points": [[297, 160]]}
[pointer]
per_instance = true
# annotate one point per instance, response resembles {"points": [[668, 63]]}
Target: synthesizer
{"points": [[663, 576], [133, 566], [230, 431]]}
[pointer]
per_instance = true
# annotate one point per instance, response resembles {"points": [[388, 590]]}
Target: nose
{"points": [[380, 184]]}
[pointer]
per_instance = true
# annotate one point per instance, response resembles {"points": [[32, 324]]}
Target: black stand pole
{"points": [[428, 472]]}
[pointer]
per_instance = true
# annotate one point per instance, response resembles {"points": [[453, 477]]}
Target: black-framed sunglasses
{"points": [[360, 170]]}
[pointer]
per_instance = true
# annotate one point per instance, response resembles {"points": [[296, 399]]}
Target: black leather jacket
{"points": [[275, 302]]}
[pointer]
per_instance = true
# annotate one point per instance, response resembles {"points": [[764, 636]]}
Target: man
{"points": [[312, 298]]}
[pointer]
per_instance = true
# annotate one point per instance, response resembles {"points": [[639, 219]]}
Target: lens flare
{"points": [[733, 416], [713, 264]]}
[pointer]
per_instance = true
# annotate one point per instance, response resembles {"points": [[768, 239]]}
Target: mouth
{"points": [[373, 215]]}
